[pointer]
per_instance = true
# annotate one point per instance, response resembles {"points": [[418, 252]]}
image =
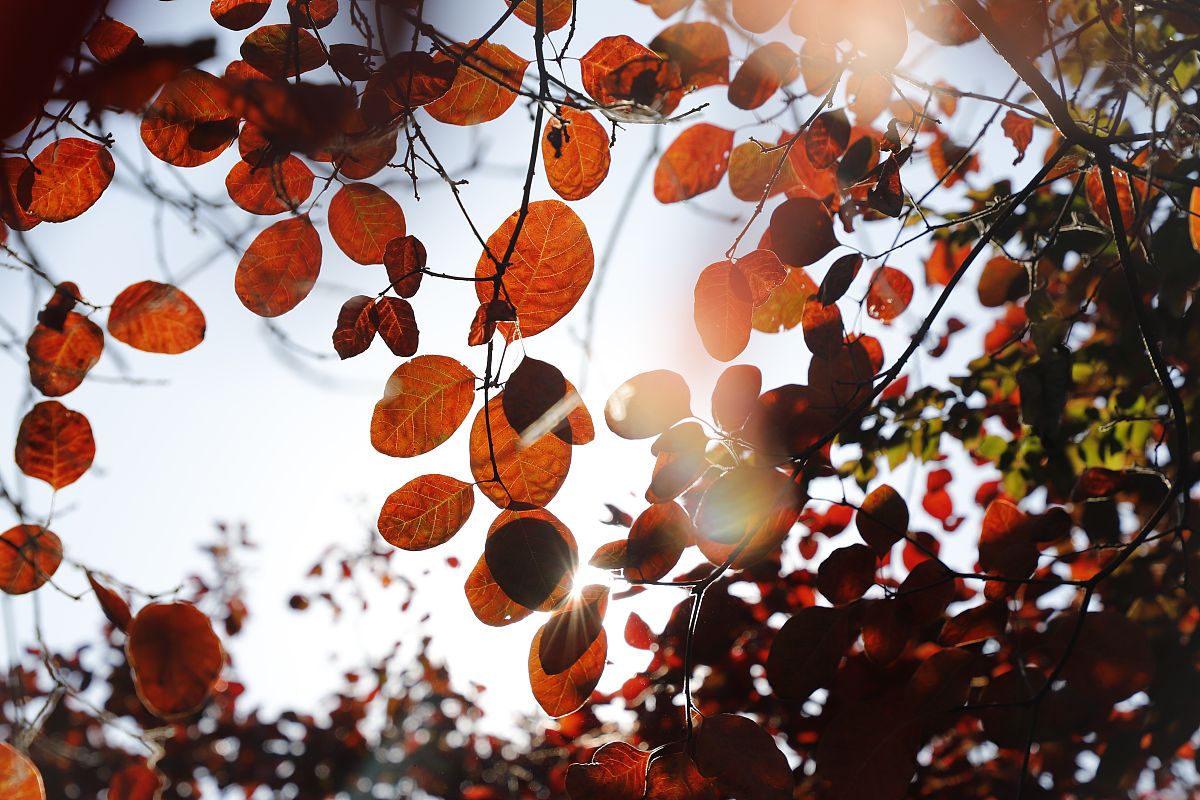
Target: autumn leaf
{"points": [[238, 15], [60, 359], [19, 778], [548, 271], [156, 318], [283, 51], [575, 153], [191, 121], [425, 512], [888, 294], [55, 444], [484, 85], [279, 268], [424, 402], [648, 404], [762, 74], [1019, 130], [363, 219], [29, 556], [175, 658], [723, 309], [513, 470], [270, 188], [617, 771], [699, 49], [68, 178]]}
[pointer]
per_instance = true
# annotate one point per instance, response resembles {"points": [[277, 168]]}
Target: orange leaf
{"points": [[567, 691], [879, 30], [889, 294], [175, 658], [575, 154], [157, 318], [484, 86], [1006, 546], [270, 188], [19, 778], [760, 76], [279, 268], [550, 267], [699, 49], [356, 325], [723, 308], [819, 65], [237, 15], [312, 13], [424, 402], [617, 771], [801, 231], [29, 556], [1003, 281], [69, 177], [555, 13], [618, 70], [648, 404], [693, 164], [190, 122], [282, 51], [55, 444], [59, 359], [1019, 131], [976, 624], [1093, 186], [362, 220], [528, 472], [822, 328], [397, 325], [764, 272], [426, 512]]}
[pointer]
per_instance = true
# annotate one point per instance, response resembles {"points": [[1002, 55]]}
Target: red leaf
{"points": [[60, 359], [638, 633], [175, 658], [190, 122], [136, 782], [567, 691], [827, 138], [55, 444], [889, 294], [537, 399], [237, 15], [279, 268], [109, 39], [976, 624], [555, 13], [674, 777], [822, 328], [839, 277], [406, 81], [802, 231], [29, 556], [764, 273], [572, 629], [618, 70], [356, 324], [425, 512], [112, 604], [617, 771], [404, 258], [883, 519], [282, 51], [759, 772], [846, 574], [806, 652], [397, 325], [657, 539]]}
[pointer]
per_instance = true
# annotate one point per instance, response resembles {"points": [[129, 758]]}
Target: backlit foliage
{"points": [[848, 628]]}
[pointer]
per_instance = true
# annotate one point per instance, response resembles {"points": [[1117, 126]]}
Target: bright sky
{"points": [[241, 430]]}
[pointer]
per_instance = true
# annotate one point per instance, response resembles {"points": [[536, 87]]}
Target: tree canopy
{"points": [[937, 544]]}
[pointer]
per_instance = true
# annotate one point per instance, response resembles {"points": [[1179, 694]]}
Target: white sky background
{"points": [[239, 433]]}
